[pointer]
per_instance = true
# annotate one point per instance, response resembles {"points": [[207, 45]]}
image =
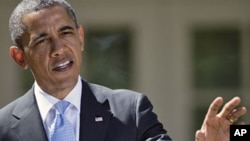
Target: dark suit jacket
{"points": [[127, 116]]}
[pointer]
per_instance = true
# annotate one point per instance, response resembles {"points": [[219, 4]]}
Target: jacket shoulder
{"points": [[6, 111], [115, 94]]}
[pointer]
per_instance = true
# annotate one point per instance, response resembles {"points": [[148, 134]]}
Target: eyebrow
{"points": [[66, 28]]}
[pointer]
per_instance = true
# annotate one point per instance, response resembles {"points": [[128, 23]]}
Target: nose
{"points": [[57, 48]]}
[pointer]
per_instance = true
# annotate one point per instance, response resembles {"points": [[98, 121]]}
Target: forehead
{"points": [[46, 18]]}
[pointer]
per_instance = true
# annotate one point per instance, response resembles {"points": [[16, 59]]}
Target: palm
{"points": [[216, 129]]}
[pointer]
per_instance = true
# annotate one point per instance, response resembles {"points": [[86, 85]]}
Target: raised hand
{"points": [[216, 125]]}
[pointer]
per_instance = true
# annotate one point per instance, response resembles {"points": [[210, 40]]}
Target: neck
{"points": [[58, 91]]}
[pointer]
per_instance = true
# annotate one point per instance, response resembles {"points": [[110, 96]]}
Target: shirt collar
{"points": [[45, 101]]}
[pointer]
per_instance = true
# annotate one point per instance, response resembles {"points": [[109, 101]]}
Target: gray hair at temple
{"points": [[16, 26]]}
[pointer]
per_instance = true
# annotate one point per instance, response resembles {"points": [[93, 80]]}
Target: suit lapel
{"points": [[27, 123], [94, 117]]}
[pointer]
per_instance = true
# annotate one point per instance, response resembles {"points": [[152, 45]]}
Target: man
{"points": [[48, 40]]}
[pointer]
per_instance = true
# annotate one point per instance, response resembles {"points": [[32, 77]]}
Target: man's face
{"points": [[52, 48]]}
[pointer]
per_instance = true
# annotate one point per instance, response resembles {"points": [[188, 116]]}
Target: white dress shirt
{"points": [[45, 103]]}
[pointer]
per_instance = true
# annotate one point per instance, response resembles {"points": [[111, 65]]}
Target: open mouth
{"points": [[63, 66]]}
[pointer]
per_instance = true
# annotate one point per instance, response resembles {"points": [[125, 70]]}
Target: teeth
{"points": [[64, 64]]}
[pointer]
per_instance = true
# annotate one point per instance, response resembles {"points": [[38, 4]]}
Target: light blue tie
{"points": [[63, 130]]}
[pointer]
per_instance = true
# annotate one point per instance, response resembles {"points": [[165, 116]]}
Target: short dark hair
{"points": [[16, 25]]}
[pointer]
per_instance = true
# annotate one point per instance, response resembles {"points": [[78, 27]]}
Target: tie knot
{"points": [[61, 106]]}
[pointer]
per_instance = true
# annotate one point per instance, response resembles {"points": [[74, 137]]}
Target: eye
{"points": [[67, 32], [42, 41]]}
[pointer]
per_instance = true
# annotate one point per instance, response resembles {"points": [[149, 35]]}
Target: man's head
{"points": [[16, 25], [48, 40]]}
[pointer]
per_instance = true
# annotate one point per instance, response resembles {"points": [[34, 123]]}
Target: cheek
{"points": [[37, 61], [78, 57]]}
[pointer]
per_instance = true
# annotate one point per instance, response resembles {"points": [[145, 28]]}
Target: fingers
{"points": [[200, 136], [213, 110], [236, 113], [229, 107], [240, 123], [229, 110], [214, 107]]}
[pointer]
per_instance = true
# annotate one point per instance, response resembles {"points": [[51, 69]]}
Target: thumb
{"points": [[200, 136]]}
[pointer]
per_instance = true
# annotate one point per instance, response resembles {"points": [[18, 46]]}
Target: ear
{"points": [[81, 33], [18, 55]]}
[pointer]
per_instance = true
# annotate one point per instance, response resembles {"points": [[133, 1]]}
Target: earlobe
{"points": [[81, 33], [17, 54]]}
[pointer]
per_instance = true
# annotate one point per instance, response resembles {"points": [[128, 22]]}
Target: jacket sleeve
{"points": [[148, 126]]}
